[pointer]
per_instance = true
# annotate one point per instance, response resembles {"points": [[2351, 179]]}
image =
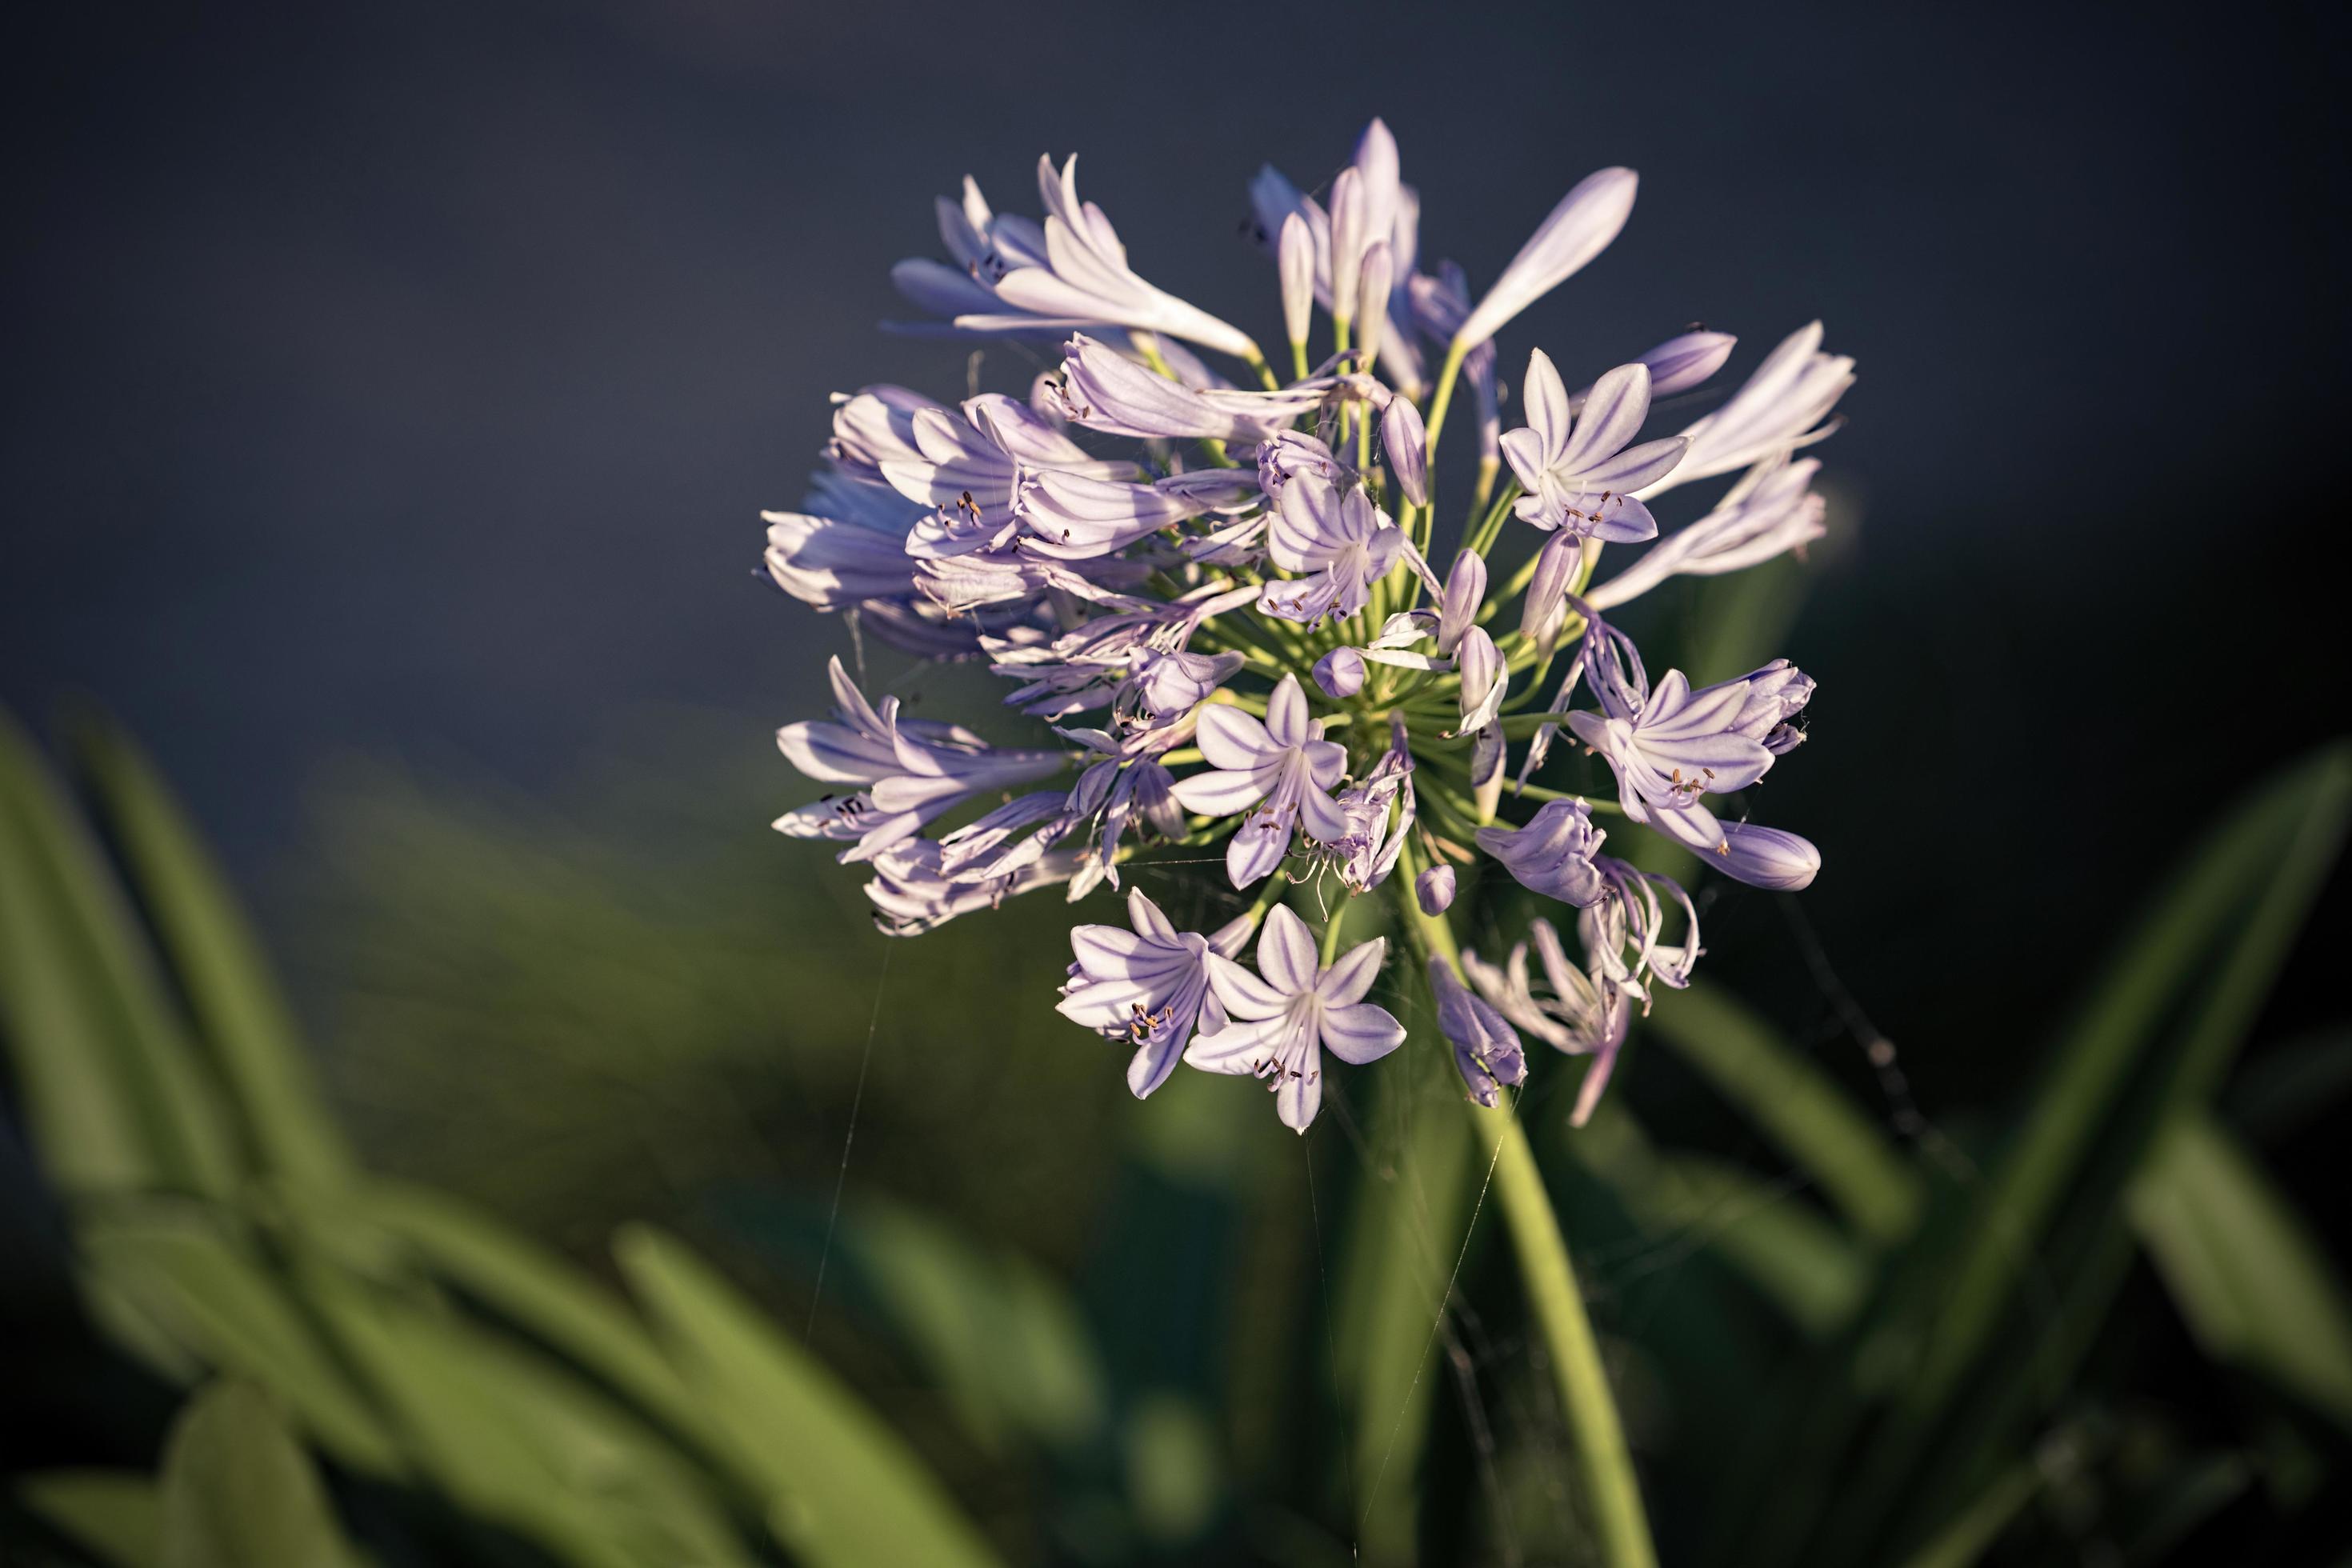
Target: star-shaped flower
{"points": [[1285, 1020]]}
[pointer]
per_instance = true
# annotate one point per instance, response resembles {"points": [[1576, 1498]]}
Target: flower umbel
{"points": [[1217, 583]]}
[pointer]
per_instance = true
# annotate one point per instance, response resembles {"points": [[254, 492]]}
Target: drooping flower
{"points": [[1147, 986], [1285, 1016], [1578, 1016], [1486, 1049], [911, 895], [1282, 767], [1577, 469], [1679, 744]]}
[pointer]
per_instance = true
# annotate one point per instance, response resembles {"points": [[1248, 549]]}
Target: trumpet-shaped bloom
{"points": [[1571, 234], [908, 771], [1147, 986], [1777, 411], [1771, 512], [1104, 390], [1013, 275], [1288, 1012], [1282, 767]]}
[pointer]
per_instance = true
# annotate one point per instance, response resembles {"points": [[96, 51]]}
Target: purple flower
{"points": [[1405, 441], [1378, 271], [1105, 390], [1582, 1016], [1678, 744], [1147, 986], [1015, 276], [1770, 511], [1559, 566], [909, 771], [1433, 890], [1577, 470], [1680, 362], [1368, 851], [1341, 672], [1486, 1048], [1295, 256], [1440, 305], [1465, 591], [1284, 762], [1775, 412], [1283, 1022], [834, 565], [1553, 853], [1378, 208], [1760, 857], [1624, 932], [911, 895], [1572, 234], [1338, 536], [1484, 679], [970, 470]]}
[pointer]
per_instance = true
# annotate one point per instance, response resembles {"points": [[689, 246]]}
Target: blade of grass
{"points": [[1806, 1115], [2276, 852], [1796, 1259], [844, 1489], [2246, 1272], [97, 1045], [211, 948], [238, 1492]]}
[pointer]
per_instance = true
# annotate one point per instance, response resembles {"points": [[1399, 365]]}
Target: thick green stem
{"points": [[1605, 1463]]}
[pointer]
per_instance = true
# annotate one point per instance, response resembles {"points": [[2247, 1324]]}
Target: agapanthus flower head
{"points": [[1210, 592]]}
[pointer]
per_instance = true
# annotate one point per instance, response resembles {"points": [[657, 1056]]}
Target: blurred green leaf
{"points": [[1797, 1106], [844, 1489], [238, 1009], [1005, 1341], [2227, 923], [2280, 1091], [1172, 1471], [113, 1515], [522, 1441], [112, 1092], [1405, 1235], [239, 1493], [1971, 1533], [218, 1302], [1795, 1258], [539, 1293], [2250, 1279]]}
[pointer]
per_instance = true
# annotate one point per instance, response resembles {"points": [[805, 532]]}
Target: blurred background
{"points": [[391, 398]]}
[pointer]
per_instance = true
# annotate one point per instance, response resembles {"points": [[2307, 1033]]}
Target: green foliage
{"points": [[220, 1228], [1836, 1358]]}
